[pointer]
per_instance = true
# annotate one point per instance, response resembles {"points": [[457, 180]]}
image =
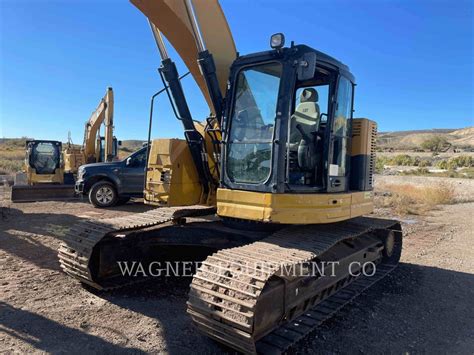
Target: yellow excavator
{"points": [[49, 170], [264, 192], [96, 148]]}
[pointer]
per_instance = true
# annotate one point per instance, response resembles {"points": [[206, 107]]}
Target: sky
{"points": [[412, 59]]}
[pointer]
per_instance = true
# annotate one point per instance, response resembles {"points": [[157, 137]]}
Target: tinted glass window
{"points": [[340, 127], [252, 123], [140, 159], [45, 157]]}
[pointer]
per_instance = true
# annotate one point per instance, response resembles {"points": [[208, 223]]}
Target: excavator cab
{"points": [[288, 139], [102, 144]]}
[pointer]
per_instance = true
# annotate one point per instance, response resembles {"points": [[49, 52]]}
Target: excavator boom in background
{"points": [[266, 190], [95, 148]]}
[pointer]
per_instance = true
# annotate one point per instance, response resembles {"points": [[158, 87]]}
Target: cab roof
{"points": [[293, 52]]}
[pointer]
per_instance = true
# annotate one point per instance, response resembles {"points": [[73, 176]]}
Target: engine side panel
{"points": [[364, 136]]}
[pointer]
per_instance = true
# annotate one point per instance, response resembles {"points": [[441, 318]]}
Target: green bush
{"points": [[379, 164], [424, 163], [442, 164], [463, 161], [403, 160], [452, 164], [435, 144], [9, 166]]}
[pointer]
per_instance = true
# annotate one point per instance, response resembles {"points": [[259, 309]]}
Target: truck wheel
{"points": [[103, 194]]}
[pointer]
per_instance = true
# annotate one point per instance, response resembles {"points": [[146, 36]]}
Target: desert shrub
{"points": [[462, 161], [452, 164], [435, 144], [12, 155], [410, 199], [9, 166], [442, 164], [403, 160], [380, 162], [422, 171], [418, 171], [424, 163]]}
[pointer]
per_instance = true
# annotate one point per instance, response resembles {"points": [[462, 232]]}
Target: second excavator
{"points": [[268, 189], [95, 148]]}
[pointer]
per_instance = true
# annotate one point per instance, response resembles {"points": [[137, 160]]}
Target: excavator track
{"points": [[79, 243], [257, 307]]}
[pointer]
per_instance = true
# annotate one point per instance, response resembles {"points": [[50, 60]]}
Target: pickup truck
{"points": [[108, 184]]}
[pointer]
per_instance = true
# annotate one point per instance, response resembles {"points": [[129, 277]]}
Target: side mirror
{"points": [[119, 143], [306, 66], [128, 162]]}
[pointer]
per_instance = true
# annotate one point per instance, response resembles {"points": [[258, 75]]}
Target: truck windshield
{"points": [[252, 121]]}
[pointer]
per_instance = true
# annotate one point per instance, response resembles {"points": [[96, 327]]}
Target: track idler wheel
{"points": [[392, 242]]}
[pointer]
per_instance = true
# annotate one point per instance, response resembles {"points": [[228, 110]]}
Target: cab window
{"points": [[140, 159], [306, 129], [249, 149], [341, 127], [45, 157]]}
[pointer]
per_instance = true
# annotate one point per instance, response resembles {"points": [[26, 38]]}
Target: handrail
{"points": [[150, 123]]}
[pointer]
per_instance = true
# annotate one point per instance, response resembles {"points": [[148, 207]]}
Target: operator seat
{"points": [[306, 115]]}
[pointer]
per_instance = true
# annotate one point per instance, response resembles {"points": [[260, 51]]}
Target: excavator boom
{"points": [[109, 125], [92, 150], [172, 19], [92, 128]]}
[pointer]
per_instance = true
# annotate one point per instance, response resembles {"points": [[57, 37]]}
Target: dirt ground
{"points": [[424, 306]]}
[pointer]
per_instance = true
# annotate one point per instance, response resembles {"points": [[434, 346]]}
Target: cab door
{"points": [[339, 143]]}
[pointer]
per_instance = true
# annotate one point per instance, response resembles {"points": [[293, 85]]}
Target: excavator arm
{"points": [[109, 125], [104, 111]]}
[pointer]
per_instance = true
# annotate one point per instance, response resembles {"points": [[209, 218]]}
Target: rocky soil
{"points": [[424, 306]]}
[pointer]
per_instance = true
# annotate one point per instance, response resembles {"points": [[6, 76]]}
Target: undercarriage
{"points": [[255, 290]]}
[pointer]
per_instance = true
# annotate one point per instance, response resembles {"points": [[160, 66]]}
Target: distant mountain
{"points": [[131, 145], [462, 138]]}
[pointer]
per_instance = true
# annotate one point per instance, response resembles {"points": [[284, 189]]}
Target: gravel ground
{"points": [[424, 306]]}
